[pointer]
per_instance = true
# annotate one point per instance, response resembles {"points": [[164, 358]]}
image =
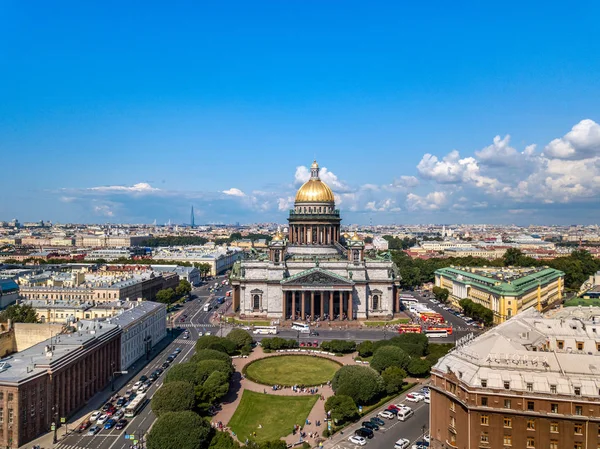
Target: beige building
{"points": [[505, 291]]}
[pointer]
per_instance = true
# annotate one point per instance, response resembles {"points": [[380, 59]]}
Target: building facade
{"points": [[53, 379], [9, 292], [532, 382], [315, 272], [505, 291]]}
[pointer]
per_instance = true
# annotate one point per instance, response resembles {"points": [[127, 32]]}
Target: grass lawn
{"points": [[383, 323], [276, 414], [248, 322], [291, 370], [582, 302]]}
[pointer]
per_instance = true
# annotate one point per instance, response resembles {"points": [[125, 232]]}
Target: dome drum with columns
{"points": [[314, 273]]}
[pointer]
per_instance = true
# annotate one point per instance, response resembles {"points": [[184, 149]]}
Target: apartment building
{"points": [[532, 382]]}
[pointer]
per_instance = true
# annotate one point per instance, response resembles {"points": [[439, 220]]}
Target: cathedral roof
{"points": [[314, 190]]}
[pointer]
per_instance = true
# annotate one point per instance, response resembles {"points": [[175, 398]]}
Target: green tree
{"points": [[362, 383], [205, 367], [214, 388], [418, 367], [215, 342], [512, 257], [441, 294], [203, 267], [179, 430], [210, 354], [166, 296], [240, 337], [389, 356], [339, 346], [365, 349], [222, 440], [19, 313], [173, 397], [393, 378], [184, 288], [342, 408], [183, 372]]}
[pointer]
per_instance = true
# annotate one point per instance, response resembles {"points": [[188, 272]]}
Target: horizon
{"points": [[417, 114]]}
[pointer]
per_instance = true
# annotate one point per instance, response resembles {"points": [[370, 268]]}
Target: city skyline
{"points": [[415, 116]]}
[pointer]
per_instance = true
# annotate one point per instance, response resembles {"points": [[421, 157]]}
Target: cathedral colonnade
{"points": [[314, 234], [300, 304]]}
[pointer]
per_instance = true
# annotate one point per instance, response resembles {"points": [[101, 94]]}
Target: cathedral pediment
{"points": [[316, 277]]}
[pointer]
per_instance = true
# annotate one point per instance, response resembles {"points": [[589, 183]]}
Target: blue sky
{"points": [[134, 111]]}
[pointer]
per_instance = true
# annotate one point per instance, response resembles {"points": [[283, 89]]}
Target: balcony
{"points": [[335, 215]]}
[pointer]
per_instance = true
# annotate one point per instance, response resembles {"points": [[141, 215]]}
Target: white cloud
{"points": [[432, 201], [140, 187], [583, 141], [501, 153], [234, 192], [104, 210], [303, 174], [387, 205], [285, 203], [406, 182]]}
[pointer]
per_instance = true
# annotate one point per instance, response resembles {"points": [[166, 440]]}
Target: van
{"points": [[404, 414], [363, 432], [207, 307]]}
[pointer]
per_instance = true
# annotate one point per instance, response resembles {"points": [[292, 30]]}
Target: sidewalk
{"points": [[96, 401]]}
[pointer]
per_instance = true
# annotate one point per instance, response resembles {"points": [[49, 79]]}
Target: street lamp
{"points": [[54, 424], [298, 336]]}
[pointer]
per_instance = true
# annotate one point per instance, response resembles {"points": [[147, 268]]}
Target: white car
{"points": [[402, 443], [357, 440], [102, 419], [426, 438], [419, 395], [427, 400], [137, 385], [413, 397], [402, 407], [386, 414], [142, 388], [207, 333], [94, 416], [199, 333]]}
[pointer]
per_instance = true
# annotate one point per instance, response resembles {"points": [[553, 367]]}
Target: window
{"points": [[507, 403], [578, 428], [10, 415], [530, 442], [452, 438], [577, 391], [1, 415], [256, 302], [531, 424], [507, 422], [530, 406], [10, 396], [375, 302], [553, 444], [506, 385], [553, 408], [507, 440], [529, 386], [452, 388], [554, 427], [580, 346], [452, 421], [597, 346], [484, 402], [485, 438], [485, 420], [577, 446], [560, 344], [484, 383], [553, 389], [578, 410]]}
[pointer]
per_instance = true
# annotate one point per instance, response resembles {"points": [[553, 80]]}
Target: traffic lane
{"points": [[355, 335]]}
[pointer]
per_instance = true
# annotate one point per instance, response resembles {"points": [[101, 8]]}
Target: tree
{"points": [[217, 343], [184, 288], [210, 354], [19, 313], [393, 378], [365, 349], [342, 408], [361, 383], [205, 367], [222, 440], [441, 294], [339, 346], [179, 430], [166, 295], [240, 337], [389, 356], [214, 388], [173, 397], [512, 257], [418, 367], [183, 372]]}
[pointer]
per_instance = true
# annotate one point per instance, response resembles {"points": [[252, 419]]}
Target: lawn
{"points": [[291, 370], [582, 302], [383, 323], [276, 414], [249, 322]]}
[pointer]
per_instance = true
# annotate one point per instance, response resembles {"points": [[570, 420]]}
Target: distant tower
{"points": [[192, 221]]}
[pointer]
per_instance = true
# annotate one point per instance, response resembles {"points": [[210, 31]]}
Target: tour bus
{"points": [[409, 329], [135, 405], [265, 330], [438, 331], [302, 327], [207, 307]]}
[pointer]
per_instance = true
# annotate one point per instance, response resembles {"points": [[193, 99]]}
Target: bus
{"points": [[409, 329], [438, 331], [135, 405], [265, 330], [302, 327]]}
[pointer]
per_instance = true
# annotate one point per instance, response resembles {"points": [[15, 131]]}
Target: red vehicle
{"points": [[438, 330], [84, 425], [409, 329]]}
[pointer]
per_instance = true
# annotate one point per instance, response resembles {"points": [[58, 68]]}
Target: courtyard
{"points": [[290, 370]]}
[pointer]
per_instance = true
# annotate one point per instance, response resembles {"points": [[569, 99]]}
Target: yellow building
{"points": [[505, 291]]}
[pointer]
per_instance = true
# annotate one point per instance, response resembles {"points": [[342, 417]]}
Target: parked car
{"points": [[380, 422], [364, 432], [402, 443], [93, 430], [420, 445], [94, 416], [84, 425], [386, 414], [414, 397], [355, 439], [370, 425], [403, 415], [121, 424], [166, 365]]}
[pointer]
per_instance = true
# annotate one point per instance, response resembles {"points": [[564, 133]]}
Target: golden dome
{"points": [[355, 237], [346, 235], [278, 236], [314, 190]]}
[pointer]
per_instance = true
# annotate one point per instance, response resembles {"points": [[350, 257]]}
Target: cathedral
{"points": [[314, 272]]}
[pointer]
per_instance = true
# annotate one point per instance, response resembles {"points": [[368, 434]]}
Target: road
{"points": [[197, 320]]}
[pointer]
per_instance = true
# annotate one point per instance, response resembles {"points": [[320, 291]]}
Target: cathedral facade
{"points": [[314, 272]]}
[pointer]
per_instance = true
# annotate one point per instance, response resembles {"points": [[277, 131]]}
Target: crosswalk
{"points": [[68, 446], [187, 325], [181, 341]]}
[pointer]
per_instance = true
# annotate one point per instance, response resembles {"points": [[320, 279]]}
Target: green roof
{"points": [[512, 287]]}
